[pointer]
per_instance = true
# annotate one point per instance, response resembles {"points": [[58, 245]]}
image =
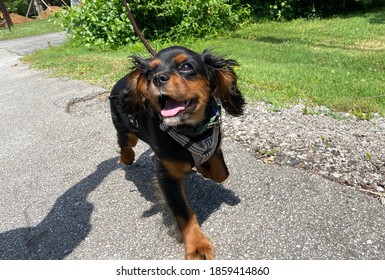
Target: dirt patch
{"points": [[16, 19], [48, 12], [19, 19]]}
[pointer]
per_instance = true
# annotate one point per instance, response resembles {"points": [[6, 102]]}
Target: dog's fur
{"points": [[180, 89]]}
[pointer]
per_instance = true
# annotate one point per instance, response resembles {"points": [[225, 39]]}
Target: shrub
{"points": [[17, 6], [105, 23], [201, 18], [290, 9], [99, 23]]}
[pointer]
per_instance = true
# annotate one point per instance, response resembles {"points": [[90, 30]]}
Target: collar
{"points": [[214, 121]]}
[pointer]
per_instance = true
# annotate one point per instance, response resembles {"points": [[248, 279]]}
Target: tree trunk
{"points": [[4, 10]]}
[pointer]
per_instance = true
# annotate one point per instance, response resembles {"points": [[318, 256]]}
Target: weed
{"points": [[306, 111], [267, 153], [368, 155], [325, 142], [366, 116]]}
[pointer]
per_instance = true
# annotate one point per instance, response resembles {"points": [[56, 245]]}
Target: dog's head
{"points": [[179, 82]]}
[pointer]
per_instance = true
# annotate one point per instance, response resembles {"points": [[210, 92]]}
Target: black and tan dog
{"points": [[171, 103]]}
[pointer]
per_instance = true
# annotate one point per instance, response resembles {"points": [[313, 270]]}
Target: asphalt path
{"points": [[63, 196]]}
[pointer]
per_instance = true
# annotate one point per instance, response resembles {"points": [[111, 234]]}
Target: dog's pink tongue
{"points": [[172, 108]]}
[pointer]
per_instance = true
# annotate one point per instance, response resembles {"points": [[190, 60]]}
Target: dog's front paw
{"points": [[199, 249], [127, 156]]}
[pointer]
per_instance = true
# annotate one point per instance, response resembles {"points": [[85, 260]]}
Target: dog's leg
{"points": [[126, 143], [215, 168], [171, 179], [126, 139]]}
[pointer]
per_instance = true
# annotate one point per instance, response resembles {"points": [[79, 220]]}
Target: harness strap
{"points": [[200, 151]]}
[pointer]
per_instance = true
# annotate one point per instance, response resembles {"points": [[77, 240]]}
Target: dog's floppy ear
{"points": [[133, 97], [223, 82]]}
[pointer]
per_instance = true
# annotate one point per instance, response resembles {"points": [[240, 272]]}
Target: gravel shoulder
{"points": [[337, 146]]}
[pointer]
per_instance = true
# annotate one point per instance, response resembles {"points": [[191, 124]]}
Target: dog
{"points": [[173, 103]]}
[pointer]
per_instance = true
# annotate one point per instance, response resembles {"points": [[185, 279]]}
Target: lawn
{"points": [[35, 27], [338, 62]]}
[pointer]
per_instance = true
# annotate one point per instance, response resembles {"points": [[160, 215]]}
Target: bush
{"points": [[105, 23], [99, 23], [17, 6], [208, 18], [290, 9]]}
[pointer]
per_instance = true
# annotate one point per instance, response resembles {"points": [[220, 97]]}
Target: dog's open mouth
{"points": [[171, 108]]}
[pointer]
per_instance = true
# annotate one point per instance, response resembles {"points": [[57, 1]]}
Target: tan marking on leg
{"points": [[214, 168], [197, 246], [177, 170], [127, 154]]}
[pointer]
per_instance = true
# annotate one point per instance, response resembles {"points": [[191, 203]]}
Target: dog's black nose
{"points": [[160, 79]]}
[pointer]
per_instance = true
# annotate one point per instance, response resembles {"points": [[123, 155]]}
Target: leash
{"points": [[137, 31]]}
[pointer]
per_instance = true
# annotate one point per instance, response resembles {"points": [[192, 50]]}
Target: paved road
{"points": [[62, 195]]}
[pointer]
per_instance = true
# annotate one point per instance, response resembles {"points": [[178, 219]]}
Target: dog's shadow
{"points": [[204, 196], [66, 225]]}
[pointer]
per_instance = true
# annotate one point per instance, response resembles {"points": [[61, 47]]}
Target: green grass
{"points": [[338, 63], [94, 66], [35, 27]]}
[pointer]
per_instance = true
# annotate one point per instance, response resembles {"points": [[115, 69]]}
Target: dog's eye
{"points": [[186, 67]]}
